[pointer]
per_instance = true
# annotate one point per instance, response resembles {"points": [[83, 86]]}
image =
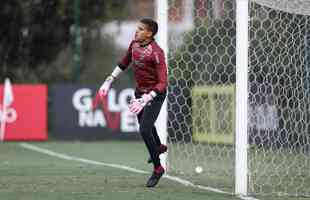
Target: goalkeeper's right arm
{"points": [[103, 90]]}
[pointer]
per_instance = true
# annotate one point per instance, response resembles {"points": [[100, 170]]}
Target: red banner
{"points": [[26, 117]]}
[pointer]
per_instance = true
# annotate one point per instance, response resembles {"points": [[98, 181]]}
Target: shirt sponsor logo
{"points": [[140, 53]]}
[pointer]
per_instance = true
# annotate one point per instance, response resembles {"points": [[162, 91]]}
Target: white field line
{"points": [[123, 167]]}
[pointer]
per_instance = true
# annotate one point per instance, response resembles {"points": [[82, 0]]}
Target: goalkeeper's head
{"points": [[151, 25], [146, 30]]}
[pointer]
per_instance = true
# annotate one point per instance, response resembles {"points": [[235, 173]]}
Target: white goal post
{"points": [[241, 134], [162, 38], [241, 87]]}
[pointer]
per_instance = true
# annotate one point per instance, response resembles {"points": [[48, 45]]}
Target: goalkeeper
{"points": [[150, 73]]}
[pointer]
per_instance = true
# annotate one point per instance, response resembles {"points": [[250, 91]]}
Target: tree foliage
{"points": [[34, 32]]}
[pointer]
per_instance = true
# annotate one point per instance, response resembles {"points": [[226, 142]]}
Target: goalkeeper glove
{"points": [[103, 90], [138, 104], [101, 95]]}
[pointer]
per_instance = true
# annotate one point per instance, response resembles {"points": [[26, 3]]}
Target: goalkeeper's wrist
{"points": [[153, 94], [110, 78]]}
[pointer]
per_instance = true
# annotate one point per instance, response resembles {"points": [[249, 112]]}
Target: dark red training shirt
{"points": [[148, 63]]}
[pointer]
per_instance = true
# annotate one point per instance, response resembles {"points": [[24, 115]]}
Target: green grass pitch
{"points": [[30, 175]]}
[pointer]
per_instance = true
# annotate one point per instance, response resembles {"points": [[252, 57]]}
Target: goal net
{"points": [[279, 97], [201, 98]]}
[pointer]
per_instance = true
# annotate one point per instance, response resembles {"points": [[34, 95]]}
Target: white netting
{"points": [[279, 98], [201, 107], [201, 73]]}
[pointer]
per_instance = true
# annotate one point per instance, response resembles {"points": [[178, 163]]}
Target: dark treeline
{"points": [[33, 32]]}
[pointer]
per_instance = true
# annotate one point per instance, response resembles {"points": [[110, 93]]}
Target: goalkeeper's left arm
{"points": [[123, 64]]}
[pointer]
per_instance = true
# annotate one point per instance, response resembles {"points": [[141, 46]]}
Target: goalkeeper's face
{"points": [[142, 33]]}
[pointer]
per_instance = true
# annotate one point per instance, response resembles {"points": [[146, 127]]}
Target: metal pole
{"points": [[77, 40]]}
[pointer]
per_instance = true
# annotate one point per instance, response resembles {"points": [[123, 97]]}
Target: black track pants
{"points": [[147, 118]]}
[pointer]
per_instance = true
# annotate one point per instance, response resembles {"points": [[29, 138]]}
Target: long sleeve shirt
{"points": [[149, 66]]}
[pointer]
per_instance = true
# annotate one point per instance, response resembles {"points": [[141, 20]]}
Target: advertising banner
{"points": [[26, 115], [73, 116]]}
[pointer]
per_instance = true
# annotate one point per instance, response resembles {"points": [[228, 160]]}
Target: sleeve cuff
{"points": [[121, 66], [116, 72]]}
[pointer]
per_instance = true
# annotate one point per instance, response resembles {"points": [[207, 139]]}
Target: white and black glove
{"points": [[137, 105], [105, 87]]}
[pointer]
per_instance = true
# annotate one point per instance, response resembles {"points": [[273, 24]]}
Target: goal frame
{"points": [[241, 145], [241, 135]]}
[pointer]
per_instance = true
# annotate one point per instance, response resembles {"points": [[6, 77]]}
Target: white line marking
{"points": [[123, 167], [247, 197], [72, 158]]}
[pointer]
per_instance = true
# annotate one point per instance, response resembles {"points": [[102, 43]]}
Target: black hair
{"points": [[151, 25]]}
